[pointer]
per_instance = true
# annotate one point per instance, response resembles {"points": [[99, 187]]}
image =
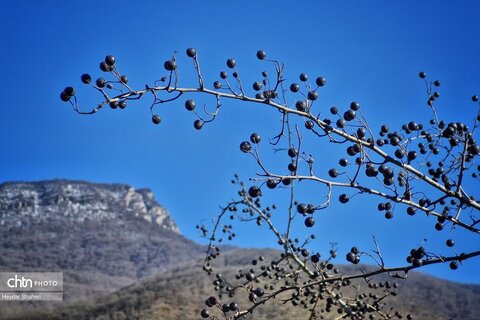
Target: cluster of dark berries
{"points": [[245, 146], [67, 94], [312, 95], [107, 65], [387, 207], [190, 105], [353, 256], [213, 301], [416, 256], [305, 209]]}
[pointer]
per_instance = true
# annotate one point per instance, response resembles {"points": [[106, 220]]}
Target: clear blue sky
{"points": [[369, 52]]}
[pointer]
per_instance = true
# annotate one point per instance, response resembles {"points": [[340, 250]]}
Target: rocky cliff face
{"points": [[101, 236], [22, 204]]}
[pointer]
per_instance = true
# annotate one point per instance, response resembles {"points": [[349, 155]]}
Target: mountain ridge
{"points": [[101, 236], [26, 198]]}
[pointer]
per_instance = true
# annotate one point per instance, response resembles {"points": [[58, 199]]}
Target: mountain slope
{"points": [[101, 236], [179, 294]]}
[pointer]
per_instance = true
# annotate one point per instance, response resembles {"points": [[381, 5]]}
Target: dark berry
{"points": [[450, 243], [333, 173], [100, 82], [292, 152], [422, 75], [225, 308], [231, 63], [311, 208], [349, 115], [302, 208], [354, 106], [303, 77], [190, 105], [351, 257], [204, 314], [257, 86], [412, 155], [233, 306], [191, 52], [69, 91], [351, 151], [388, 181], [361, 133], [309, 124], [412, 126], [105, 67], [371, 171], [198, 124], [321, 81], [156, 119], [271, 184], [301, 105], [261, 54], [64, 97], [255, 138], [417, 263], [254, 191], [309, 222], [245, 146], [86, 78], [411, 211], [341, 123], [312, 95], [212, 300], [259, 292], [294, 87], [343, 198], [399, 153], [110, 60], [170, 65], [292, 167]]}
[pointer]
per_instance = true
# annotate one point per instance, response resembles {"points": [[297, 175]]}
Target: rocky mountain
{"points": [[25, 203], [101, 236]]}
